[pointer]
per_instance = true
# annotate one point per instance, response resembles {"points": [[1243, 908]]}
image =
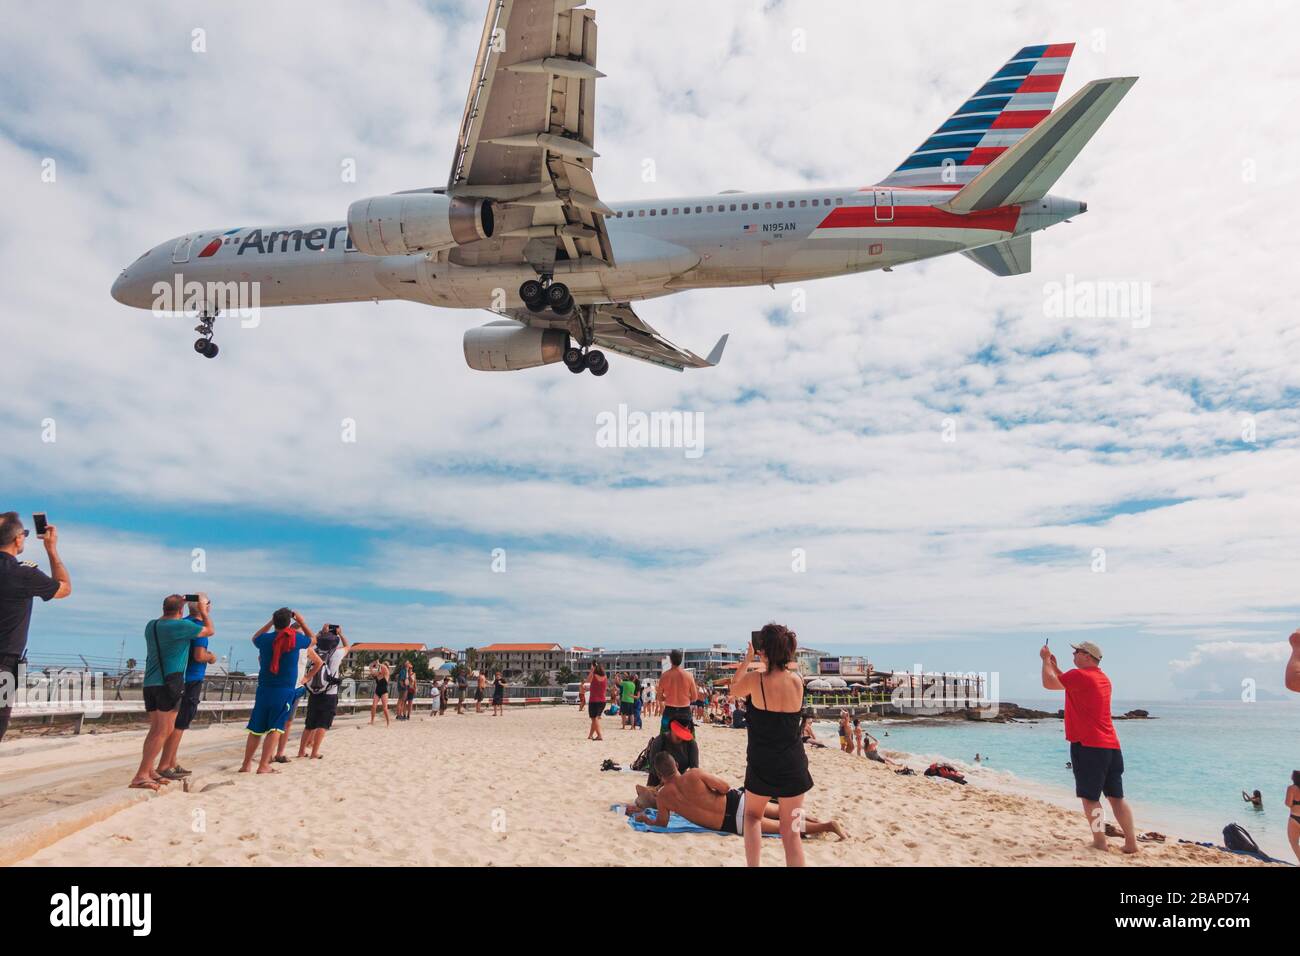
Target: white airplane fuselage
{"points": [[660, 247]]}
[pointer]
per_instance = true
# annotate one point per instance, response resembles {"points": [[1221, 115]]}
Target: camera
{"points": [[41, 524]]}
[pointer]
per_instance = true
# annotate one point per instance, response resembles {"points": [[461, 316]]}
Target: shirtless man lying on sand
{"points": [[707, 801]]}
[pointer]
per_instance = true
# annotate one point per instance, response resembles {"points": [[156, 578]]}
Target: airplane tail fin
{"points": [[1027, 170], [994, 118]]}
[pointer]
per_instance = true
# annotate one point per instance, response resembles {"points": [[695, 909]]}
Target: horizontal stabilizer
{"points": [[1027, 170], [1010, 258]]}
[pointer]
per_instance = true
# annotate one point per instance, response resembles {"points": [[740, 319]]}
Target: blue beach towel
{"points": [[676, 824]]}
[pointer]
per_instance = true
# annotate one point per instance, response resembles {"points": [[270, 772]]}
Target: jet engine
{"points": [[507, 346], [406, 223]]}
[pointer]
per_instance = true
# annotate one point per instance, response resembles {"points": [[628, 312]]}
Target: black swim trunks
{"points": [[160, 698], [1097, 771], [188, 708], [733, 817], [595, 709]]}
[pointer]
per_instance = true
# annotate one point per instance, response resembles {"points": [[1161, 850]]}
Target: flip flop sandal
{"points": [[279, 759]]}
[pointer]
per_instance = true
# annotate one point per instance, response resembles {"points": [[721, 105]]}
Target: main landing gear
{"points": [[204, 344], [543, 294], [592, 360]]}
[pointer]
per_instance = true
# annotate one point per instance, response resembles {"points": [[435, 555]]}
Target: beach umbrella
{"points": [[819, 683], [837, 683]]}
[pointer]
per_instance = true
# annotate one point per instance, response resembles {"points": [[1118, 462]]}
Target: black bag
{"points": [[1236, 838], [642, 763], [175, 682]]}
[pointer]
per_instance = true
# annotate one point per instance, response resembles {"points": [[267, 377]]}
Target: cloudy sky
{"points": [[1131, 479]]}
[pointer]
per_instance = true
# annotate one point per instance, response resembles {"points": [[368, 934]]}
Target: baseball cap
{"points": [[1088, 648]]}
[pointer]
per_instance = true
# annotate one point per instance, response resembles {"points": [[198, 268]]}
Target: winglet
{"points": [[716, 355]]}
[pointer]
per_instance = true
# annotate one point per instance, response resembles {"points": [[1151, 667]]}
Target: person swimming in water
{"points": [[1255, 799]]}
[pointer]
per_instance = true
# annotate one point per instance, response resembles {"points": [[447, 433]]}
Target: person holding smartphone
{"points": [[167, 655], [279, 644], [196, 672], [1293, 664], [20, 582], [776, 764]]}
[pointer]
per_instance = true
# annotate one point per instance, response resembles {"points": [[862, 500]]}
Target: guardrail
{"points": [[94, 709]]}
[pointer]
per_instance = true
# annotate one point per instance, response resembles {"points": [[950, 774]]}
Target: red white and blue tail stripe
{"points": [[1014, 100]]}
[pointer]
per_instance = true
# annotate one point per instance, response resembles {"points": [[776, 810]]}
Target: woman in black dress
{"points": [[776, 764]]}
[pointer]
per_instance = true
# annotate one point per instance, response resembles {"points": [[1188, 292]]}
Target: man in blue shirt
{"points": [[167, 652], [278, 645], [197, 669]]}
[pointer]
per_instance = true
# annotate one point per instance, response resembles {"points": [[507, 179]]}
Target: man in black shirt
{"points": [[20, 581]]}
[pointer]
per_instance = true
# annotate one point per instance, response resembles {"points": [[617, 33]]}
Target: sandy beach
{"points": [[526, 789]]}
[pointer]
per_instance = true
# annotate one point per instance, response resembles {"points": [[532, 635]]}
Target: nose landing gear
{"points": [[204, 344]]}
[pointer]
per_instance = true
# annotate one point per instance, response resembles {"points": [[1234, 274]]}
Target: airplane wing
{"points": [[527, 133], [619, 329]]}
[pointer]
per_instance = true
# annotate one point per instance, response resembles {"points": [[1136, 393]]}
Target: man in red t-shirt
{"points": [[1094, 749], [1293, 665]]}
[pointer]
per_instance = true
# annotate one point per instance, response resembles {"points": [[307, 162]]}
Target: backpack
{"points": [[325, 678], [1236, 838]]}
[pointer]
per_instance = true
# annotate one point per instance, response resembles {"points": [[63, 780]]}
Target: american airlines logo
{"points": [[293, 240]]}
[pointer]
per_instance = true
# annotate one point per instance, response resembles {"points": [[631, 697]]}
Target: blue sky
{"points": [[823, 427]]}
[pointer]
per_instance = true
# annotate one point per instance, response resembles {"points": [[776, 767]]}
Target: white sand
{"points": [[526, 789]]}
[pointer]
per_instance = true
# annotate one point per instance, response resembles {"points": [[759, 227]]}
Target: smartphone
{"points": [[334, 628], [191, 597], [41, 524]]}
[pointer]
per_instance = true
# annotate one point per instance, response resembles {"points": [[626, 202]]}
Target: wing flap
{"points": [[527, 134]]}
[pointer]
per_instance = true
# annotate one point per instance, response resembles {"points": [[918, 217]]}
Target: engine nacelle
{"points": [[507, 346], [406, 223]]}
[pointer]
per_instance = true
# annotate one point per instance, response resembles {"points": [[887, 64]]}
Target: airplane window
{"points": [[663, 212], [653, 212], [744, 207], [803, 203], [828, 202], [767, 205], [839, 201], [816, 201], [701, 209], [780, 205], [733, 207], [687, 210], [710, 209], [641, 213]]}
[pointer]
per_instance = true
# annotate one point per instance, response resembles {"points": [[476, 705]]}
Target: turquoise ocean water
{"points": [[1184, 771]]}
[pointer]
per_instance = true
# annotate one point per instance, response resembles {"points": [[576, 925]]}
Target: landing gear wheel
{"points": [[557, 294], [578, 368], [573, 356], [204, 344], [597, 363], [533, 294], [564, 308]]}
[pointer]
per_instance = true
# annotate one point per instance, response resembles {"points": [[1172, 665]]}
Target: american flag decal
{"points": [[752, 227]]}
